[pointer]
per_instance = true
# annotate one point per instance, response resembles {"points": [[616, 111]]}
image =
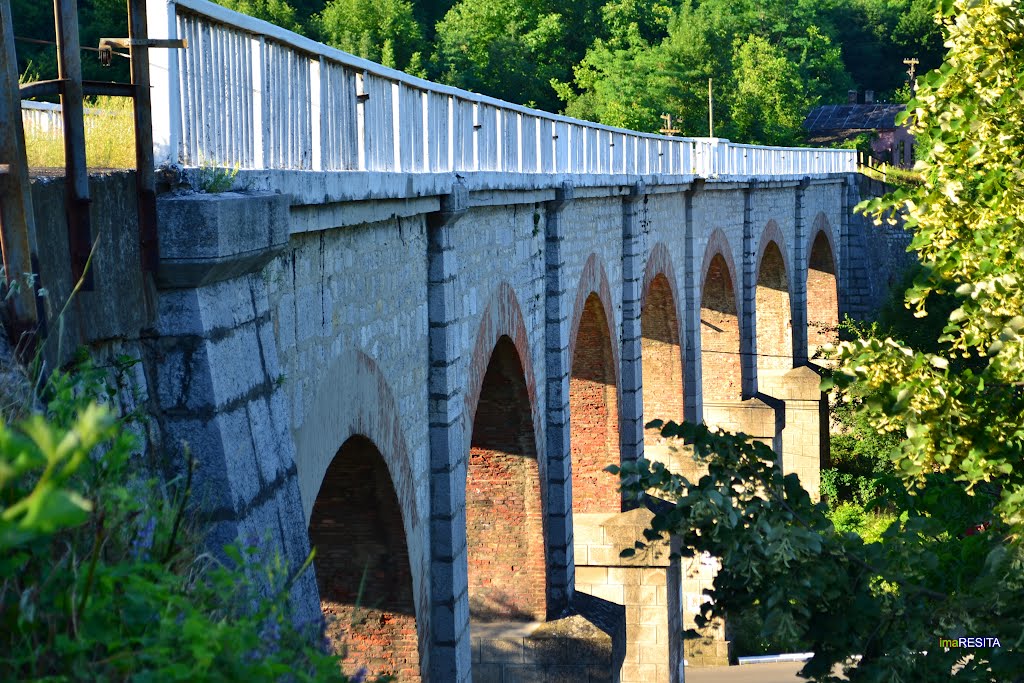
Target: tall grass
{"points": [[109, 137]]}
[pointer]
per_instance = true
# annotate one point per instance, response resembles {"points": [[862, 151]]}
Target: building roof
{"points": [[829, 117]]}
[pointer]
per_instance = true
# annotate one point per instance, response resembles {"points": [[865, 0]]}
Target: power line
{"points": [[37, 41]]}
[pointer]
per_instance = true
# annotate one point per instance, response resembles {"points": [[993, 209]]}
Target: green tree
{"points": [[769, 101], [277, 12], [769, 62], [384, 31], [953, 563], [507, 50]]}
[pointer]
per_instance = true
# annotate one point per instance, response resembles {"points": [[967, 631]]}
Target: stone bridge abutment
{"points": [[454, 370], [423, 323]]}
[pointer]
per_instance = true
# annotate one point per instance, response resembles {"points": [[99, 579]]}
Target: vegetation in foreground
{"points": [[103, 575], [952, 564]]}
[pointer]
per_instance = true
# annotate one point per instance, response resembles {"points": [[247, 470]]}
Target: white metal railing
{"points": [[250, 93]]}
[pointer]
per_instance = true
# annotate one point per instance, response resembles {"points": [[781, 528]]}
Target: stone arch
{"points": [[661, 351], [506, 553], [721, 366], [362, 564], [594, 435], [822, 287], [352, 399], [773, 310]]}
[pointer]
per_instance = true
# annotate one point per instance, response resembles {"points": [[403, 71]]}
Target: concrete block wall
{"points": [[645, 585], [383, 322]]}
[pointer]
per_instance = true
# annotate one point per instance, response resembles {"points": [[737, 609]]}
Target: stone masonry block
{"points": [[211, 237]]}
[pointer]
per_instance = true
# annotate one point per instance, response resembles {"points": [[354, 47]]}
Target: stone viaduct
{"points": [[426, 320]]}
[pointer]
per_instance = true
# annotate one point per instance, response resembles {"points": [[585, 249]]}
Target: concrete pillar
{"points": [[805, 435], [852, 260], [748, 297], [647, 585], [692, 395], [631, 428], [214, 365], [449, 589], [713, 647], [798, 278], [559, 299]]}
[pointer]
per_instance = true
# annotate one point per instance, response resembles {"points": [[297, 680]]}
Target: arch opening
{"points": [[662, 365], [822, 297], [774, 320], [362, 564], [504, 520], [594, 414], [721, 370]]}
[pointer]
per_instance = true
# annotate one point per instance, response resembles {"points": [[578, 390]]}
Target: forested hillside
{"points": [[621, 62]]}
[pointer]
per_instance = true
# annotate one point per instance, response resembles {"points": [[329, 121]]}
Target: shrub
{"points": [[102, 576]]}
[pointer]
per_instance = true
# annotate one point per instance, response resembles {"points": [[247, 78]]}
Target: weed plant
{"points": [[109, 137]]}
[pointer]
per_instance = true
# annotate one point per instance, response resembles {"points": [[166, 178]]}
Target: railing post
{"points": [[260, 120], [317, 73], [396, 126], [428, 137], [361, 138], [476, 136], [161, 16], [451, 133]]}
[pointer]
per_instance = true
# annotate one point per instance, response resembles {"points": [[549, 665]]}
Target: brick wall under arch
{"points": [[774, 320], [504, 519], [594, 413], [362, 564], [721, 369], [822, 294], [661, 360]]}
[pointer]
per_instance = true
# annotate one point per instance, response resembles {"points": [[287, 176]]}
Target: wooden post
{"points": [[76, 181], [17, 223]]}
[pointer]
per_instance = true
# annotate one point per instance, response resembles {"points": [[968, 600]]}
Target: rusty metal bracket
{"points": [[107, 46]]}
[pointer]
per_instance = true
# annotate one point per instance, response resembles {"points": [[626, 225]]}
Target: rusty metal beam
{"points": [[29, 91], [69, 67], [41, 88], [110, 88], [145, 172], [17, 222]]}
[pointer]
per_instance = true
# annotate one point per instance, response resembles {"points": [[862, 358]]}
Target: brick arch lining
{"points": [[661, 351], [353, 398], [362, 565], [822, 287], [772, 233], [594, 394], [721, 368], [504, 497], [773, 312]]}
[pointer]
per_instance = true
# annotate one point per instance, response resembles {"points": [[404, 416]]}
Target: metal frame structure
{"points": [[18, 233]]}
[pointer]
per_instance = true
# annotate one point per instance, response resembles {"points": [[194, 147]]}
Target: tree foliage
{"points": [[277, 12], [384, 31], [621, 62], [952, 564]]}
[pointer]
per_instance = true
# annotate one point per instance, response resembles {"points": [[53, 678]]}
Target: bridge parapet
{"points": [[255, 95]]}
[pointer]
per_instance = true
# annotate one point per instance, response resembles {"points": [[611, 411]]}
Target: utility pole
{"points": [[711, 113], [668, 129], [912, 62]]}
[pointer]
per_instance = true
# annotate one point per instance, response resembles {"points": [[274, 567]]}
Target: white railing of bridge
{"points": [[252, 94]]}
